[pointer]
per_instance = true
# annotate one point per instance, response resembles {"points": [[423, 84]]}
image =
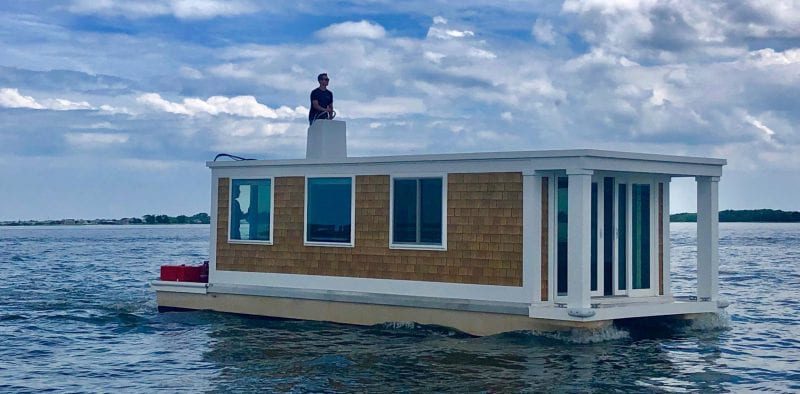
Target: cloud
{"points": [[243, 106], [382, 107], [543, 32], [95, 140], [437, 30], [11, 98], [181, 9], [448, 34], [363, 29]]}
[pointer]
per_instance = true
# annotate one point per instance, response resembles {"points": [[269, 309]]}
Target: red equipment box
{"points": [[185, 273]]}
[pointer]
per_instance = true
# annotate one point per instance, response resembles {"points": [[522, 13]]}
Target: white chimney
{"points": [[327, 139]]}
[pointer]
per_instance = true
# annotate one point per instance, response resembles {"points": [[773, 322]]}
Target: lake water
{"points": [[77, 314]]}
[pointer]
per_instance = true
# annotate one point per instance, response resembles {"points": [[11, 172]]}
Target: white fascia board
{"points": [[377, 286], [482, 162], [179, 287], [569, 153]]}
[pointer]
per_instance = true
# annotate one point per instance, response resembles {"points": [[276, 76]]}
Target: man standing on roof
{"points": [[321, 100]]}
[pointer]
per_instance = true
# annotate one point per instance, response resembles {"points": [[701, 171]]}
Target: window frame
{"points": [[271, 209], [417, 246], [352, 242]]}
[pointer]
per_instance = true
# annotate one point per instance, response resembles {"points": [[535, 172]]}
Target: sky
{"points": [[111, 108]]}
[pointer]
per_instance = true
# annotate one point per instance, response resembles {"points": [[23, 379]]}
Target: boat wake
{"points": [[719, 321], [584, 336]]}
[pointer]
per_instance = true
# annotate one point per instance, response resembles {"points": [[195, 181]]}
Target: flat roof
{"points": [[450, 157]]}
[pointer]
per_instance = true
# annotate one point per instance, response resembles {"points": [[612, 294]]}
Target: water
{"points": [[76, 314]]}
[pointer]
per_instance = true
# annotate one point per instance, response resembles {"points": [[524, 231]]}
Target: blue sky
{"points": [[110, 108]]}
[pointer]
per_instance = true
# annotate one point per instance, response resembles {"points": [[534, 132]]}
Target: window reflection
{"points": [[329, 210], [250, 209]]}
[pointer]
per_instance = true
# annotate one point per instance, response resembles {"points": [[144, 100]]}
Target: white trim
{"points": [[380, 286], [707, 238], [271, 210], [418, 246], [493, 161], [531, 235], [579, 238], [179, 287], [653, 258], [617, 182], [212, 238], [352, 242], [599, 256], [667, 244]]}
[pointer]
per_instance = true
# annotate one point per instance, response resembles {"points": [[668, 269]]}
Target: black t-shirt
{"points": [[323, 97]]}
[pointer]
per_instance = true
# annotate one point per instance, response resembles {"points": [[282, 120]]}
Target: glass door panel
{"points": [[622, 236], [593, 261], [608, 236], [562, 216], [640, 253]]}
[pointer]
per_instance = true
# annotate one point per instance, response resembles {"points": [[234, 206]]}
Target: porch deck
{"points": [[622, 307]]}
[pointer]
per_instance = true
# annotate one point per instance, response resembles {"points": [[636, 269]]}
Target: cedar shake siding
{"points": [[484, 235]]}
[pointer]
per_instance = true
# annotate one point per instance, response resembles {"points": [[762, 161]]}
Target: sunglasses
{"points": [[325, 79]]}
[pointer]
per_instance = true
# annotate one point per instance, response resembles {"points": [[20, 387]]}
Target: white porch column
{"points": [[531, 235], [707, 237], [667, 285], [579, 253]]}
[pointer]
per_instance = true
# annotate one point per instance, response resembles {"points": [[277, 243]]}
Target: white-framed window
{"points": [[418, 212], [330, 211], [250, 214]]}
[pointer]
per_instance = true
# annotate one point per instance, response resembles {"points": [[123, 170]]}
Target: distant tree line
{"points": [[199, 218], [746, 215]]}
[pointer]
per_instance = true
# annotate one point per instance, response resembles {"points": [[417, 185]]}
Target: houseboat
{"points": [[481, 242]]}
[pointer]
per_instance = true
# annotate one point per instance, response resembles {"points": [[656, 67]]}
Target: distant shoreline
{"points": [[743, 216], [726, 216], [199, 218]]}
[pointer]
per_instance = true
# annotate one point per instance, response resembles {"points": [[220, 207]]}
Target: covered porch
{"points": [[600, 246]]}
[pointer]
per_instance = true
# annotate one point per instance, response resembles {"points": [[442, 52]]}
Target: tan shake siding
{"points": [[484, 235]]}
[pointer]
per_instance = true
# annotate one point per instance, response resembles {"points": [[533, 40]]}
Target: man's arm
{"points": [[315, 104]]}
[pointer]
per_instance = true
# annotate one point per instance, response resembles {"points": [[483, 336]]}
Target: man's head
{"points": [[323, 79]]}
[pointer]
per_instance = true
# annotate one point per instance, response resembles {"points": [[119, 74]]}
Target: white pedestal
{"points": [[327, 139]]}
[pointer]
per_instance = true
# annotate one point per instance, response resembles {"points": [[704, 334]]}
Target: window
{"points": [[251, 210], [418, 212], [329, 211]]}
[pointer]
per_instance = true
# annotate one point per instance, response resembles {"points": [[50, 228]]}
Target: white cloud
{"points": [[438, 20], [769, 57], [191, 73], [381, 107], [95, 140], [448, 34], [543, 32], [11, 98], [243, 106], [181, 9], [362, 29], [481, 53], [434, 57], [67, 105]]}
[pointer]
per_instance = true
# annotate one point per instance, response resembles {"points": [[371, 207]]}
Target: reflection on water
{"points": [[77, 314]]}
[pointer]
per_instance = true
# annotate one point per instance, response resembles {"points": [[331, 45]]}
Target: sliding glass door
{"points": [[635, 238], [623, 242]]}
